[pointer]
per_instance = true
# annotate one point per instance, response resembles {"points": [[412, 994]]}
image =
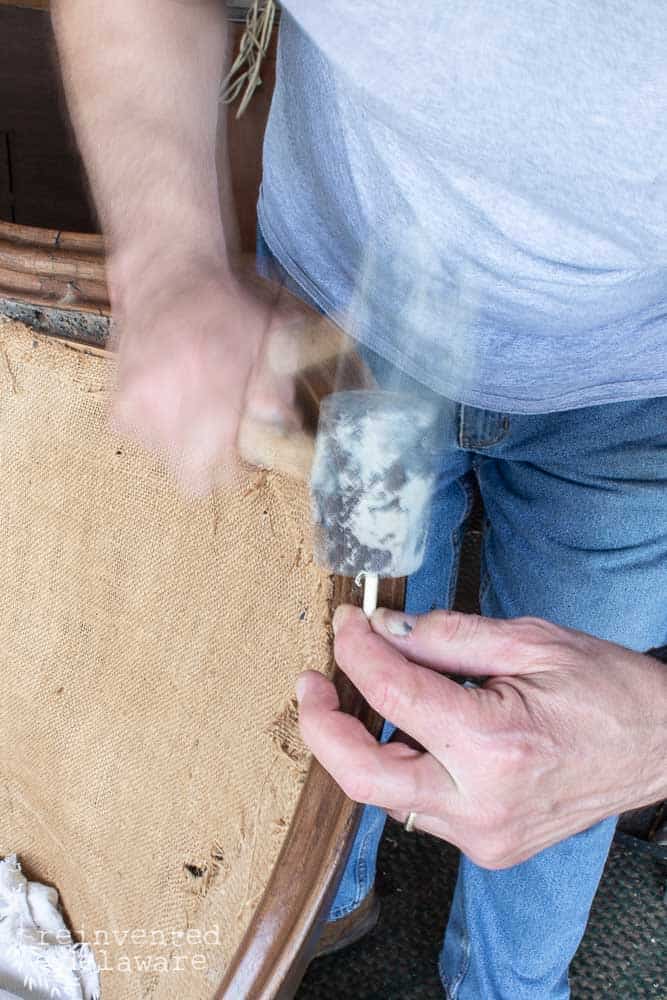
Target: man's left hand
{"points": [[566, 730]]}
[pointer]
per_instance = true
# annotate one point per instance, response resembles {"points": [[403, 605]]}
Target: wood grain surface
{"points": [[50, 267], [283, 934]]}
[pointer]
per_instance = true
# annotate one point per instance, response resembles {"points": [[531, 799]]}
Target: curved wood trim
{"points": [[281, 939], [30, 4], [51, 239], [48, 267]]}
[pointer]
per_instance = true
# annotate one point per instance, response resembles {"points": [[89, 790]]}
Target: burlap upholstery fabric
{"points": [[150, 761]]}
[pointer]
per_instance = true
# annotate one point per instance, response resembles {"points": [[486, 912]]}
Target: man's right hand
{"points": [[191, 348], [142, 82]]}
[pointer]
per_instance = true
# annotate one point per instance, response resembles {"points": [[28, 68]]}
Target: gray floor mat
{"points": [[623, 955]]}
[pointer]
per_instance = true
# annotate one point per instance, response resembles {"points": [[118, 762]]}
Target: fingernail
{"points": [[300, 687], [394, 622]]}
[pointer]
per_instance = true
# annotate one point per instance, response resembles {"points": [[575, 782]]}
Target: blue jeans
{"points": [[575, 532]]}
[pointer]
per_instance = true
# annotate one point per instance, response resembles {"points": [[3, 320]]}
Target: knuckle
{"points": [[533, 631], [384, 693], [450, 626]]}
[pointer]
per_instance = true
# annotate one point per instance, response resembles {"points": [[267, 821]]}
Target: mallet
{"points": [[372, 482]]}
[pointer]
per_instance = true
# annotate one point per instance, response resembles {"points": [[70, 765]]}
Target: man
{"points": [[525, 145]]}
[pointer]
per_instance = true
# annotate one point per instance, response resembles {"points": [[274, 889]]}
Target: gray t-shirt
{"points": [[479, 190]]}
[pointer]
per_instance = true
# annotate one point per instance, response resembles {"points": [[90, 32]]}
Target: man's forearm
{"points": [[142, 84]]}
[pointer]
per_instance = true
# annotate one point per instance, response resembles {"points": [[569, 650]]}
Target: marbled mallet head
{"points": [[372, 481]]}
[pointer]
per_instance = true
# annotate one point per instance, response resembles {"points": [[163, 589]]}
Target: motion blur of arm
{"points": [[142, 82]]}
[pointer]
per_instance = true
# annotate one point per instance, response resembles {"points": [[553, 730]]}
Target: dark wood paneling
{"points": [[246, 135], [48, 176], [6, 200], [49, 188], [48, 184]]}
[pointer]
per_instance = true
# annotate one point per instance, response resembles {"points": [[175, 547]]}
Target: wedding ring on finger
{"points": [[409, 824]]}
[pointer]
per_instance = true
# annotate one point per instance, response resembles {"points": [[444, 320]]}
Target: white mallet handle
{"points": [[370, 601]]}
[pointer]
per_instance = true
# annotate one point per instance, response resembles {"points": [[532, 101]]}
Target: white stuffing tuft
{"points": [[38, 958]]}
